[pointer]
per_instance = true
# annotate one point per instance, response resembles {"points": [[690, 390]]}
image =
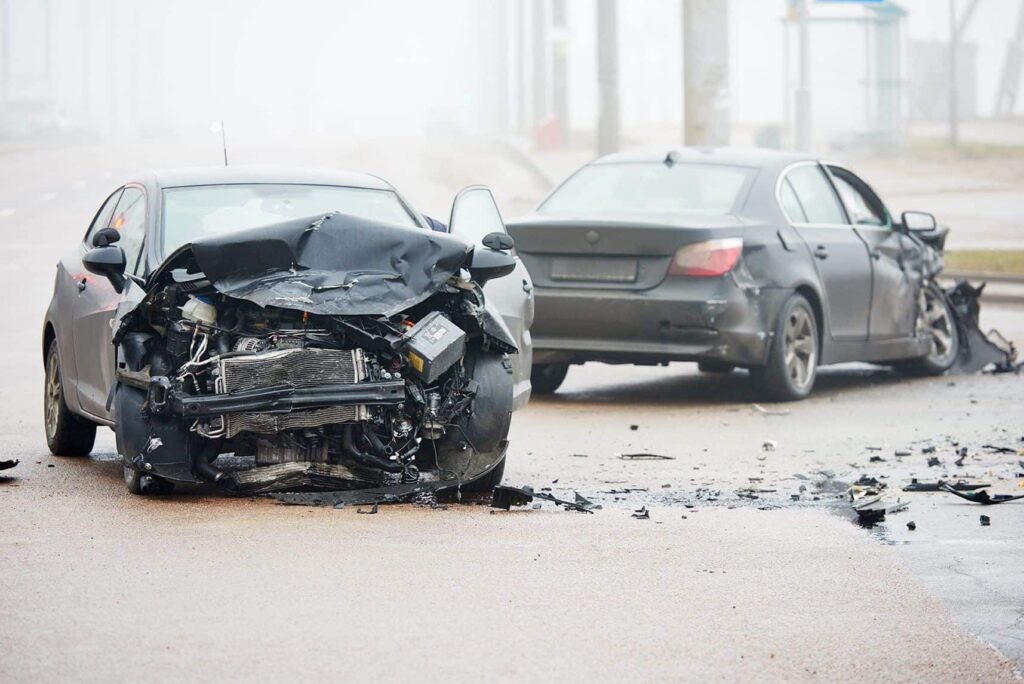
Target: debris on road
{"points": [[928, 450], [371, 511], [911, 525], [867, 498], [7, 465], [643, 456], [933, 461], [770, 412], [995, 449], [642, 513], [939, 485], [878, 459], [769, 445], [978, 350], [985, 521], [900, 453], [983, 497], [634, 427], [959, 462], [505, 497]]}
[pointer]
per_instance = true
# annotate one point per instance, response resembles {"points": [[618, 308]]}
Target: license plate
{"points": [[594, 269]]}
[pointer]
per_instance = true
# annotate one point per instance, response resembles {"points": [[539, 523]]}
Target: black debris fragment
{"points": [[996, 449], [934, 461], [928, 450], [634, 427], [960, 458], [877, 459], [978, 350], [7, 465], [984, 498], [370, 511], [506, 497], [985, 521], [900, 453], [642, 513], [643, 456], [911, 525], [940, 485]]}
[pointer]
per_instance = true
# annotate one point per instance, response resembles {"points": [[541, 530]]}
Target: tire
{"points": [[488, 480], [793, 359], [712, 366], [546, 378], [66, 433], [934, 319]]}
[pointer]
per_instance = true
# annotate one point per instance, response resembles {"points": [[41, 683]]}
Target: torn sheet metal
{"points": [[506, 497], [978, 350], [399, 493], [940, 485], [336, 265]]}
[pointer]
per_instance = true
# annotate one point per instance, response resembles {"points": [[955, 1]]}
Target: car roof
{"points": [[734, 156], [236, 175]]}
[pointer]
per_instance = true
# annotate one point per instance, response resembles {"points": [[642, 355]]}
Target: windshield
{"points": [[193, 212], [650, 188]]}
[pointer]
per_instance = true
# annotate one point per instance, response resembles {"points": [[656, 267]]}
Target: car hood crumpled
{"points": [[332, 264]]}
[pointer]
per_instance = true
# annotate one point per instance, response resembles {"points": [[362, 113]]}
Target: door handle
{"points": [[821, 252], [81, 285]]}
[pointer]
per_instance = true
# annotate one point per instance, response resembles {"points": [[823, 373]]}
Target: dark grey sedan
{"points": [[764, 260]]}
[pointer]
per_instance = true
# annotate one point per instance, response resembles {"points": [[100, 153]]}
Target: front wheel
{"points": [[66, 433], [793, 359], [934, 321], [546, 378]]}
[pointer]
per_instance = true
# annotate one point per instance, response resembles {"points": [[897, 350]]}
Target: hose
{"points": [[201, 463], [369, 460]]}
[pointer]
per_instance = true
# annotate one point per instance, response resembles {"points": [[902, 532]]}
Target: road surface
{"points": [[98, 584]]}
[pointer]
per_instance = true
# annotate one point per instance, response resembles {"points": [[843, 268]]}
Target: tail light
{"points": [[708, 258]]}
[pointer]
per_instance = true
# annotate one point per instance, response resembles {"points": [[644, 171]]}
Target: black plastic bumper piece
{"points": [[285, 399]]}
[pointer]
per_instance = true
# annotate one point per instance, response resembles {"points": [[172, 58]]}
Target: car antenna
{"points": [[218, 127]]}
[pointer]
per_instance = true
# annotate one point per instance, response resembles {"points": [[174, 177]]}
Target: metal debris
{"points": [[642, 513], [643, 456], [978, 350], [940, 485]]}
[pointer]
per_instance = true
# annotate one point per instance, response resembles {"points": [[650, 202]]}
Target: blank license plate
{"points": [[594, 269]]}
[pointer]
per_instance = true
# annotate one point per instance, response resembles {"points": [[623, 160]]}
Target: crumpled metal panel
{"points": [[335, 265]]}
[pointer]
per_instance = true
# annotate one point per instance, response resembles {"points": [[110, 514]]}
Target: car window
{"points": [[130, 220], [790, 203], [860, 207], [650, 188], [103, 216], [816, 196], [195, 211]]}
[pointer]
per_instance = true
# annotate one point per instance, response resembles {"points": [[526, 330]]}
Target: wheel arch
{"points": [[49, 335], [814, 299]]}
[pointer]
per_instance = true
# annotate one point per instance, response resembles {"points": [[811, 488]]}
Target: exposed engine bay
{"points": [[304, 398]]}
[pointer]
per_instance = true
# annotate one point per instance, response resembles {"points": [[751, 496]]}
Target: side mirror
{"points": [[919, 221], [489, 264], [108, 262], [499, 242], [105, 237]]}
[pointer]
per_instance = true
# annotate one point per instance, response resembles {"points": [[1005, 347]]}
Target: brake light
{"points": [[708, 258]]}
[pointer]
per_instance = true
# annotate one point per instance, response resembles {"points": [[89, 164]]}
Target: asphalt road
{"points": [[97, 584]]}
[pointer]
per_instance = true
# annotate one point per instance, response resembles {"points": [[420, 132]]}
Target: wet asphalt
{"points": [[750, 564]]}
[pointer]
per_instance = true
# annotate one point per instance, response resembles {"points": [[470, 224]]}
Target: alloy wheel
{"points": [[53, 398], [801, 347], [934, 320]]}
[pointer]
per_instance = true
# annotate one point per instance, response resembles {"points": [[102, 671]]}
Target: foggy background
{"points": [[514, 93]]}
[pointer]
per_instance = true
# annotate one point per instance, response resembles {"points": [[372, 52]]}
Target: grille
{"points": [[272, 423], [292, 367]]}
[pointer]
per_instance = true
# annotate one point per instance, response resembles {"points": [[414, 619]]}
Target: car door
{"points": [[96, 303], [894, 283], [839, 253], [511, 295]]}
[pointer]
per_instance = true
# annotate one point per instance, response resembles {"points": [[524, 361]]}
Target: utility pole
{"points": [[608, 123], [706, 72], [540, 63], [522, 120], [5, 50], [804, 134], [560, 67], [954, 123]]}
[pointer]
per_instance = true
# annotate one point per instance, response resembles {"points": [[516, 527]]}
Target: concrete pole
{"points": [[954, 123], [804, 135], [706, 72], [608, 123]]}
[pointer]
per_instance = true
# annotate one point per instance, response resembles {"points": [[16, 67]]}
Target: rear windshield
{"points": [[650, 188], [192, 212]]}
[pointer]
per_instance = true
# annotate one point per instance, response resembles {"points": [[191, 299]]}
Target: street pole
{"points": [[522, 99], [954, 124], [608, 123], [5, 50], [706, 72], [560, 68], [540, 64], [804, 134]]}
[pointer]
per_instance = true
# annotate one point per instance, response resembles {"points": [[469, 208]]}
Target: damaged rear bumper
{"points": [[683, 319]]}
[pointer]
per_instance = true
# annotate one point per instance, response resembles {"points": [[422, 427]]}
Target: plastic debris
{"points": [[643, 456], [911, 525], [769, 445], [985, 521], [982, 497], [7, 465], [939, 485], [642, 513]]}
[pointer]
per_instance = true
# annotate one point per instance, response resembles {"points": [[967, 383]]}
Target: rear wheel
{"points": [[546, 378], [793, 360], [934, 321], [66, 433]]}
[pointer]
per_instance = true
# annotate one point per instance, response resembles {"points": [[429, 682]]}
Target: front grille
{"points": [[273, 423], [293, 368]]}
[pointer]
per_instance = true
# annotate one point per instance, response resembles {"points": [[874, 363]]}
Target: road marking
{"points": [[4, 213]]}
